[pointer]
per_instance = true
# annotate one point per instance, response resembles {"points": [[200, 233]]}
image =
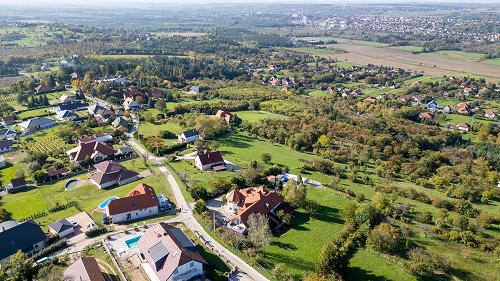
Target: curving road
{"points": [[243, 271]]}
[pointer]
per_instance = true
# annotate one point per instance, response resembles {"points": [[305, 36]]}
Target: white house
{"points": [[36, 124], [210, 161], [142, 202], [61, 228], [130, 104], [66, 115], [168, 254], [7, 134], [188, 136]]}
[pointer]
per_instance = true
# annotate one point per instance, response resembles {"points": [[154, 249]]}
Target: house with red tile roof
{"points": [[169, 254], [255, 200], [84, 269], [462, 108], [140, 203], [226, 115], [426, 115], [489, 114], [109, 173], [94, 150], [463, 127]]}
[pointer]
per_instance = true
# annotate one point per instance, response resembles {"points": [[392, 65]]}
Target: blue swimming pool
{"points": [[105, 203], [132, 242], [69, 183]]}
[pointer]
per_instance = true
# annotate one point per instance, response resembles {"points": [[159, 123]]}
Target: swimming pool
{"points": [[105, 203], [69, 183], [132, 242]]}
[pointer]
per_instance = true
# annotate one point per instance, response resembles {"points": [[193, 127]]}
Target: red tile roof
{"points": [[143, 196], [90, 149], [211, 158], [110, 171], [84, 269], [256, 201]]}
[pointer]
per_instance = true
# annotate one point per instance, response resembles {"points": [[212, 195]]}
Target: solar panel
{"points": [[158, 253]]}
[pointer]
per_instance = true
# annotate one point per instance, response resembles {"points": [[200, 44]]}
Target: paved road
{"points": [[244, 271]]}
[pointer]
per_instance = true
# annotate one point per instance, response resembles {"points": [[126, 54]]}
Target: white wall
{"points": [[138, 214]]}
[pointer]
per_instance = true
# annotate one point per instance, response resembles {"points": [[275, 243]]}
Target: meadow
{"points": [[257, 115]]}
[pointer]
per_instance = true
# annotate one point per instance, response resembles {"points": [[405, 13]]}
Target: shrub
{"points": [[386, 238], [199, 192], [167, 135], [52, 248], [96, 231], [424, 265], [200, 206]]}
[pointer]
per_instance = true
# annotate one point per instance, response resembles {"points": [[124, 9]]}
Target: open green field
{"points": [[409, 48], [318, 93], [256, 115], [172, 105], [88, 196], [149, 129], [34, 113], [456, 55], [495, 61]]}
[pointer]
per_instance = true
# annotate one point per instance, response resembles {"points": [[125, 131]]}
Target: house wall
{"points": [[232, 207], [66, 232], [134, 215], [183, 139], [191, 269], [128, 180]]}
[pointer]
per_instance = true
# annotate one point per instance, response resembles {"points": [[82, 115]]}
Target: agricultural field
{"points": [[257, 115], [444, 63], [45, 142], [87, 196], [34, 36]]}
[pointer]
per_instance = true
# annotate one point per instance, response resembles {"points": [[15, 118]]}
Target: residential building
{"points": [[130, 104], [169, 254], [84, 269], [489, 114], [463, 127], [140, 203], [93, 108], [104, 115], [462, 108], [7, 134], [5, 146], [40, 89], [71, 106], [66, 115], [92, 150], [66, 99], [3, 164], [8, 120], [254, 200], [210, 161], [27, 237], [16, 185], [432, 106], [195, 90], [61, 228], [225, 115], [426, 115], [188, 136], [99, 137], [109, 173], [36, 124], [120, 124]]}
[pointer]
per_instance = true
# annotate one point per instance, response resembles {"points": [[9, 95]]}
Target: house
{"points": [[5, 146], [195, 90], [40, 89], [168, 253], [125, 150], [3, 164], [104, 115], [27, 237], [93, 108], [66, 99], [109, 173], [92, 150], [433, 106], [61, 228], [130, 104], [140, 203], [16, 185], [254, 200], [66, 115], [188, 136], [56, 173], [370, 100], [7, 134], [8, 120], [155, 94], [71, 106], [36, 124], [462, 108], [133, 94], [84, 269], [210, 161], [100, 137], [446, 109], [463, 127], [489, 114], [73, 76], [120, 124], [426, 115], [226, 115]]}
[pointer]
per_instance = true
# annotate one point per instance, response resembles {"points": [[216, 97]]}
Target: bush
{"points": [[52, 248], [96, 231], [386, 238], [424, 265], [199, 192], [200, 206], [167, 135]]}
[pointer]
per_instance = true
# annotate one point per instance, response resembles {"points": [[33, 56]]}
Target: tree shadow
{"points": [[286, 246], [356, 273]]}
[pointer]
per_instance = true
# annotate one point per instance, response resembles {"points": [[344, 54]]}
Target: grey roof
{"points": [[21, 237], [7, 131], [61, 225], [7, 224], [182, 238], [65, 113], [119, 121], [190, 133], [93, 108], [37, 121], [71, 106], [158, 253], [5, 143]]}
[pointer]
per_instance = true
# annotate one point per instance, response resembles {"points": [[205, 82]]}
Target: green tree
{"points": [[295, 194], [266, 157], [259, 232]]}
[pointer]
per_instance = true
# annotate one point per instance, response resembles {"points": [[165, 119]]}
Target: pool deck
{"points": [[116, 243]]}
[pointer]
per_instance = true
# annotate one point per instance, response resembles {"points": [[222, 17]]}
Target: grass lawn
{"points": [[34, 113], [8, 173], [149, 129], [409, 48], [88, 196], [495, 61], [318, 94], [253, 116], [456, 55]]}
